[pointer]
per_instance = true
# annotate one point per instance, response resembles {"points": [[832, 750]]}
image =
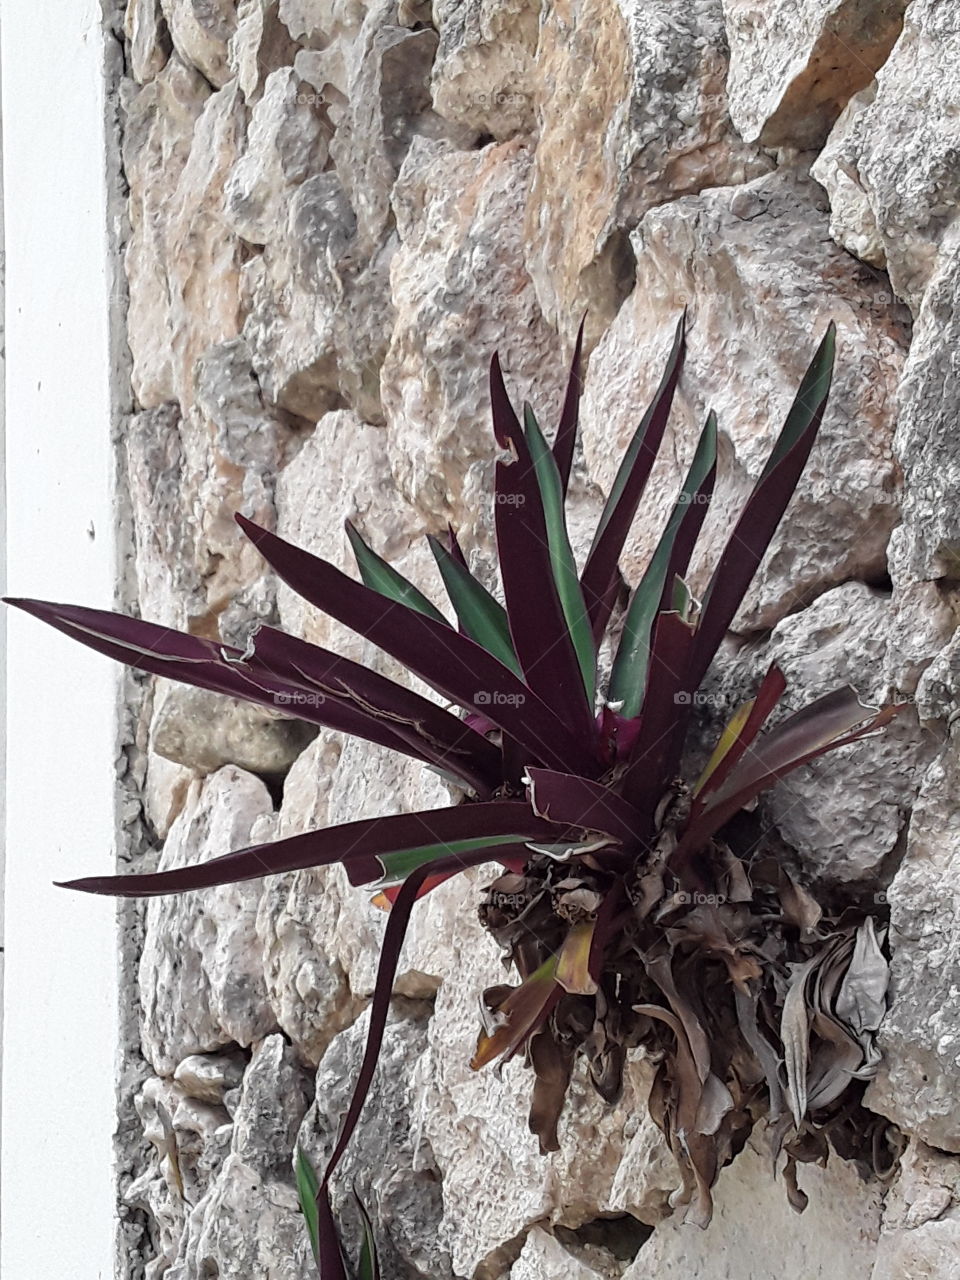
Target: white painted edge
{"points": [[60, 1031]]}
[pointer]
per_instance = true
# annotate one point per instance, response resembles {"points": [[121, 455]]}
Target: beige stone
{"points": [[631, 112]]}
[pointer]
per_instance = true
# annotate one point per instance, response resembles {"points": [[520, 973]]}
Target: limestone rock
{"points": [[921, 1221], [544, 1257], [793, 67], [190, 1139], [631, 112], [164, 558], [484, 72], [286, 143], [460, 291], [755, 268], [917, 1081], [201, 31], [182, 259], [208, 1076], [260, 44], [205, 731], [148, 39], [927, 545], [201, 974], [248, 1222], [343, 473], [890, 165], [755, 1235]]}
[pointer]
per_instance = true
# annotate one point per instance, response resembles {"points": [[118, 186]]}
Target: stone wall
{"points": [[337, 211]]}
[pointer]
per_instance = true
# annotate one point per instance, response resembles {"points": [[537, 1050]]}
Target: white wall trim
{"points": [[60, 1033]]}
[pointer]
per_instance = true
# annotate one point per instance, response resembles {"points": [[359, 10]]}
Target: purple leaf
{"points": [[566, 438], [538, 625], [577, 802], [655, 758], [451, 663], [601, 572], [835, 720], [764, 509], [358, 845], [445, 742]]}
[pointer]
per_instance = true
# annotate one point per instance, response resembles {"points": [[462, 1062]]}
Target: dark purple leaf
{"points": [[450, 663], [388, 717], [601, 572], [764, 509], [360, 846], [655, 758], [577, 802], [566, 438], [538, 625], [835, 720]]}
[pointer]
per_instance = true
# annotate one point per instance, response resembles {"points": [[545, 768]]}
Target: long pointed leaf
{"points": [[380, 576], [444, 739], [369, 1267], [739, 734], [522, 1012], [565, 440], [308, 1184], [361, 846], [561, 554], [835, 720], [390, 950], [224, 669], [629, 676], [600, 572], [538, 625], [482, 617], [452, 664], [765, 507]]}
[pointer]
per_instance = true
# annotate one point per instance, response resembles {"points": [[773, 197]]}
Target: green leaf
{"points": [[382, 577], [629, 676], [483, 618], [369, 1268], [397, 866], [308, 1185], [561, 553]]}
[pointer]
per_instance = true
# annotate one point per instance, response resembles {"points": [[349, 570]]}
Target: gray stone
{"points": [[201, 31], [794, 66], [201, 972], [891, 164], [920, 1239], [920, 1037], [927, 545], [484, 72]]}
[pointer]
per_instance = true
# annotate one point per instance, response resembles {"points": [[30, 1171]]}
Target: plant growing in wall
{"points": [[627, 917]]}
